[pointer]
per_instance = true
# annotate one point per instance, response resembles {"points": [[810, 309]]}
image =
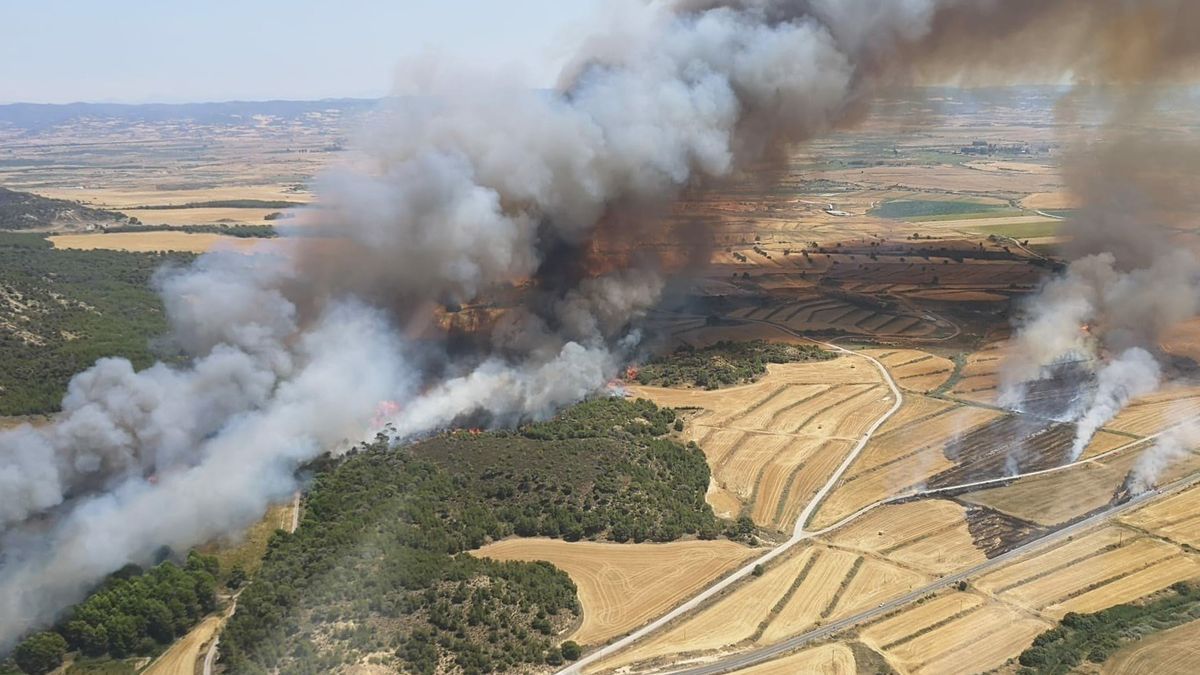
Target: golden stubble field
{"points": [[623, 586], [773, 443]]}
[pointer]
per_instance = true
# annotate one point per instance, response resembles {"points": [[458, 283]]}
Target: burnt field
{"points": [[1007, 446]]}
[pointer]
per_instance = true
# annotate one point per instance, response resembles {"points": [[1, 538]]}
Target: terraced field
{"points": [[915, 370], [812, 585], [903, 456], [773, 444], [822, 313], [930, 535]]}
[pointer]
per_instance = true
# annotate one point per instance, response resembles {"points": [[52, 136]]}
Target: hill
{"points": [[60, 310], [377, 571], [25, 211]]}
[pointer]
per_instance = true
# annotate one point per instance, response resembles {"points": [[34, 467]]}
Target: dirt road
{"points": [[798, 534]]}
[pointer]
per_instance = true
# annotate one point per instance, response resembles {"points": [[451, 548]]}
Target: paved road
{"points": [[750, 658], [798, 533]]}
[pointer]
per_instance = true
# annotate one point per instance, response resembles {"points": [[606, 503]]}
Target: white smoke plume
{"points": [[1131, 374], [1176, 444], [468, 190]]}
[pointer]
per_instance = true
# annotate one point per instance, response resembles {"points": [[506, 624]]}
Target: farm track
{"points": [[768, 653], [798, 534]]}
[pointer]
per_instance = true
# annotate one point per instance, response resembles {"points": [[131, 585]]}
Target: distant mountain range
{"points": [[36, 116]]}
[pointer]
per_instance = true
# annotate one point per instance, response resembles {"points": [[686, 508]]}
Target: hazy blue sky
{"points": [[192, 50]]}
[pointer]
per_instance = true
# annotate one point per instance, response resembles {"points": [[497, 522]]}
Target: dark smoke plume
{"points": [[476, 189]]}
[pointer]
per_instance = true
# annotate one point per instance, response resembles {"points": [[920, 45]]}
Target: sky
{"points": [[139, 51]]}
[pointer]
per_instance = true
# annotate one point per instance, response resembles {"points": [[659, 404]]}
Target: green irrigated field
{"points": [[1045, 228], [929, 210]]}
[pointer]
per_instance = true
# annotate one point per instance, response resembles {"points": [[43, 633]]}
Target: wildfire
{"points": [[384, 412], [631, 373]]}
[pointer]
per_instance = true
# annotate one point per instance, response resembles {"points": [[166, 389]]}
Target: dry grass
{"points": [[202, 216], [157, 241], [1043, 500], [1171, 652], [960, 646], [916, 618], [1055, 556], [247, 549], [622, 586], [1129, 588], [773, 443], [831, 659], [181, 657], [1054, 588], [732, 619], [814, 594], [930, 534], [899, 460]]}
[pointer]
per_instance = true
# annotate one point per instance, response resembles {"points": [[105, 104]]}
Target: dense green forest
{"points": [[724, 363], [378, 570], [1095, 637], [60, 310], [134, 612]]}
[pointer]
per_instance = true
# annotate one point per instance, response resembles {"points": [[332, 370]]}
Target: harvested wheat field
{"points": [[900, 460], [734, 618], [1052, 557], [772, 444], [1158, 411], [145, 242], [955, 647], [202, 216], [979, 376], [931, 535], [1052, 587], [918, 619], [814, 589], [1041, 499], [1171, 652], [832, 659], [1176, 517], [1129, 588], [623, 586], [181, 657]]}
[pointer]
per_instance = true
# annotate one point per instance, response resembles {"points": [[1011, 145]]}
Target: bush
{"points": [[724, 363], [40, 653], [571, 650]]}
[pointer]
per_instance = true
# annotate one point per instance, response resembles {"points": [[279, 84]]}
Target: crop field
{"points": [[915, 370], [816, 584], [918, 210], [1041, 499], [904, 626], [1032, 228], [955, 646], [819, 313], [772, 444], [1176, 518], [1156, 412], [1171, 652], [731, 619], [979, 376], [1055, 584], [622, 586], [931, 535], [148, 242], [900, 459], [831, 659]]}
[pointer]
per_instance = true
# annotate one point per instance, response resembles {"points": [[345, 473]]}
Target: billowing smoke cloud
{"points": [[1134, 373], [1129, 280], [1176, 444], [467, 192]]}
